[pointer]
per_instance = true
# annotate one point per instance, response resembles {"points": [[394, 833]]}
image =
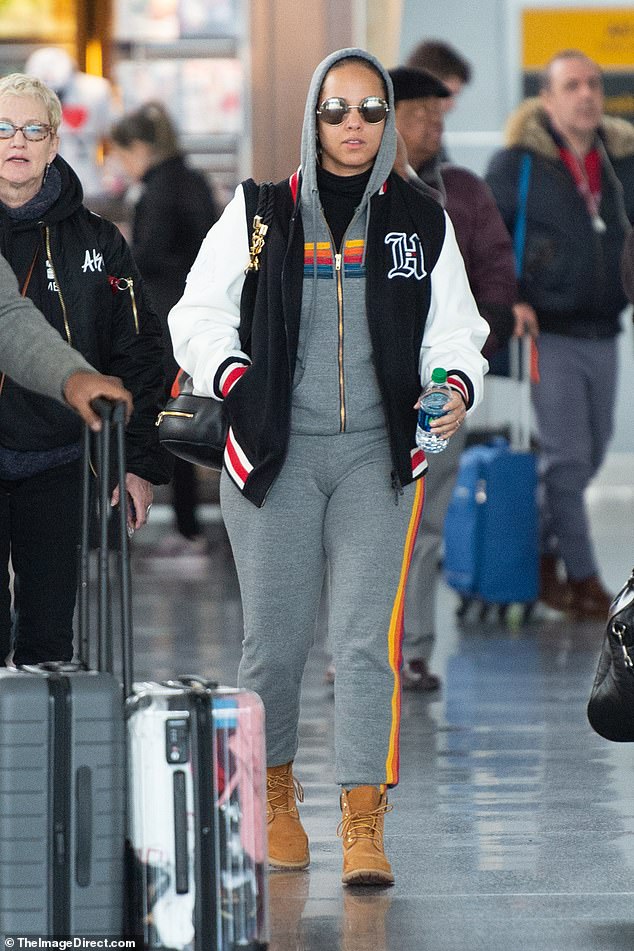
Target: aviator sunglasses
{"points": [[372, 109], [32, 131]]}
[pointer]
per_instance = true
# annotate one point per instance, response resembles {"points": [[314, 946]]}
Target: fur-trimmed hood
{"points": [[527, 128]]}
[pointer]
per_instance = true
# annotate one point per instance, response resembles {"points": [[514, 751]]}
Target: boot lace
{"points": [[281, 792], [363, 825]]}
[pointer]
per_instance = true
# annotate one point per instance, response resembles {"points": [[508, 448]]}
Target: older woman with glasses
{"points": [[361, 294], [79, 272]]}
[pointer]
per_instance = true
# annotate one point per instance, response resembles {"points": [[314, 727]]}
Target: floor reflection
{"points": [[513, 824]]}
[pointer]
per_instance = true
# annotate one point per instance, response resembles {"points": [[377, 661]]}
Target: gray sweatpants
{"points": [[423, 580], [332, 508], [574, 407]]}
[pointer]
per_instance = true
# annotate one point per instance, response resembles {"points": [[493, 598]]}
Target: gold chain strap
{"points": [[257, 244]]}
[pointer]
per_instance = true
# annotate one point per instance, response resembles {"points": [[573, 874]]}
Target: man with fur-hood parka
{"points": [[577, 167]]}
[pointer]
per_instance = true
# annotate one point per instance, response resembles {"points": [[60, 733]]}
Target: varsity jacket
{"points": [[420, 313], [80, 274], [571, 270]]}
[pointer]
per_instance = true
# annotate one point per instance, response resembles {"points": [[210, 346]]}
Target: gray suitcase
{"points": [[62, 768]]}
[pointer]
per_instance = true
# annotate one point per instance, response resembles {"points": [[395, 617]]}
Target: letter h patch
{"points": [[407, 254]]}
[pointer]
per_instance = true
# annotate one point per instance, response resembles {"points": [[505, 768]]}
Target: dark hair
{"points": [[151, 124], [441, 59], [361, 61], [545, 77]]}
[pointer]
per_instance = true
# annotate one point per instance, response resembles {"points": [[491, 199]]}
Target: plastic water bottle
{"points": [[434, 398]]}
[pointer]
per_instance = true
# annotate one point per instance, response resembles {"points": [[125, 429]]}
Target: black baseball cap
{"points": [[410, 83]]}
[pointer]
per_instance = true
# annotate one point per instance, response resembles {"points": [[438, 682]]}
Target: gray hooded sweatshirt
{"points": [[335, 384], [31, 351]]}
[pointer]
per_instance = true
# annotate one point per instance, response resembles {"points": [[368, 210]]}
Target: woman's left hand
{"points": [[140, 494], [450, 422]]}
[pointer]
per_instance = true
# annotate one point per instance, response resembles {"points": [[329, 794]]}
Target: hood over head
{"points": [[384, 160]]}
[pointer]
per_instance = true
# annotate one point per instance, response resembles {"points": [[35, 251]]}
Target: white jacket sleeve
{"points": [[204, 324], [455, 332]]}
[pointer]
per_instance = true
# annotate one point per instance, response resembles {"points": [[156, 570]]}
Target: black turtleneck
{"points": [[340, 197]]}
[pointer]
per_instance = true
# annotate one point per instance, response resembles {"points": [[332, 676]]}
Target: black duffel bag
{"points": [[611, 704]]}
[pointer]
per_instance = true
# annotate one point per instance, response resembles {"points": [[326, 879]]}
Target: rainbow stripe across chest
{"points": [[321, 257]]}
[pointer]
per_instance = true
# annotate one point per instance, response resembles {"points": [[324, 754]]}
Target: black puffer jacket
{"points": [[571, 272], [85, 282]]}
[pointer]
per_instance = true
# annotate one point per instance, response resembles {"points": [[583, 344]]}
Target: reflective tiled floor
{"points": [[513, 824]]}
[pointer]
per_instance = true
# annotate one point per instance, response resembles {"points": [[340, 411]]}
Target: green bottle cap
{"points": [[439, 376]]}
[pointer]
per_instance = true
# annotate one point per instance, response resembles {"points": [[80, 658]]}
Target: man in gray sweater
{"points": [[34, 355]]}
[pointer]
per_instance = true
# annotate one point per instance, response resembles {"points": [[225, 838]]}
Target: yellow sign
{"points": [[50, 21], [605, 34]]}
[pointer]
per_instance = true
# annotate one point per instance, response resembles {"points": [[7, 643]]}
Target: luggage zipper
{"points": [[60, 858]]}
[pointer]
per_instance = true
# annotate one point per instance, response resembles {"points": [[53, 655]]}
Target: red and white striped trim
{"points": [[456, 383], [294, 184], [238, 466], [419, 462], [231, 376]]}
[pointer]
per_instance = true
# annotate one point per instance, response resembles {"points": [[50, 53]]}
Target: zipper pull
{"points": [[337, 262]]}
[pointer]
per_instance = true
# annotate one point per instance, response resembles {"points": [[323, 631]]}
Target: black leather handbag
{"points": [[611, 704], [195, 427]]}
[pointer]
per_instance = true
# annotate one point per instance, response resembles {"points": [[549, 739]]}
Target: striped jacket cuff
{"points": [[459, 381], [228, 374]]}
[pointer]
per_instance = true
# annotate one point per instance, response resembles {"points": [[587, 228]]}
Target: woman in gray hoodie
{"points": [[361, 294]]}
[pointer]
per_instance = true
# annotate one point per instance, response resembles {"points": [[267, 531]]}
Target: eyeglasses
{"points": [[32, 131], [371, 109]]}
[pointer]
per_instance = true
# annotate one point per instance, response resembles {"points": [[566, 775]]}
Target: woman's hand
{"points": [[450, 422], [140, 494]]}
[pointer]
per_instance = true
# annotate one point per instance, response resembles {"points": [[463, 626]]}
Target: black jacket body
{"points": [[88, 287]]}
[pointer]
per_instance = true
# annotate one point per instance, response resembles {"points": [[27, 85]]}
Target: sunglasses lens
{"points": [[333, 111], [373, 110]]}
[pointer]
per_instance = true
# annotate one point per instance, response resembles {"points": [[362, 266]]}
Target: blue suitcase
{"points": [[491, 527]]}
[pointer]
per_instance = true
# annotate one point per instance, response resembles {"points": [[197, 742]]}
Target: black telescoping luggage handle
{"points": [[113, 415]]}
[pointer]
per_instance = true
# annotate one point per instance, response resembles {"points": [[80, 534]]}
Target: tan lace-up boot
{"points": [[288, 843], [361, 831]]}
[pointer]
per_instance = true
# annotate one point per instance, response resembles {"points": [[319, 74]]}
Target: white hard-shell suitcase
{"points": [[197, 816]]}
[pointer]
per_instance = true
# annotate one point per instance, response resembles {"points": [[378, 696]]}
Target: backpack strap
{"points": [[519, 232]]}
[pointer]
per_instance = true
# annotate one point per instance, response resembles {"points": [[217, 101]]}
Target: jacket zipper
{"points": [[342, 388], [127, 284], [135, 314], [47, 238]]}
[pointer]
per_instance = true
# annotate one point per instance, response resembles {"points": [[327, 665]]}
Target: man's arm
{"points": [[34, 355]]}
